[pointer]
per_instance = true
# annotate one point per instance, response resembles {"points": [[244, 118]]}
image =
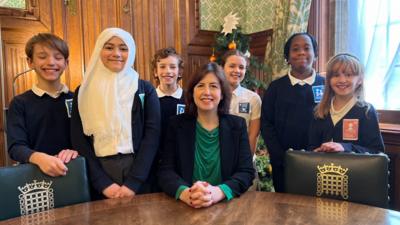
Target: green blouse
{"points": [[207, 161]]}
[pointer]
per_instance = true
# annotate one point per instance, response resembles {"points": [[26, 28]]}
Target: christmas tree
{"points": [[231, 37]]}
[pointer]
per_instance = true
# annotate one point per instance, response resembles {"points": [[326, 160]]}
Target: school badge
{"points": [[244, 107], [350, 129], [141, 96], [180, 108], [68, 105], [318, 92], [332, 180], [36, 197]]}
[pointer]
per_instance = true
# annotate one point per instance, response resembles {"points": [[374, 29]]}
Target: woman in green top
{"points": [[206, 154]]}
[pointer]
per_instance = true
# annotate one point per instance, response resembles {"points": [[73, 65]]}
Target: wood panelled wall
{"points": [[154, 24]]}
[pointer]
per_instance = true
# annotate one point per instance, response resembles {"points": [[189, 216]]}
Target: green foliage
{"points": [[222, 41], [261, 147], [242, 44], [263, 167], [264, 170], [262, 164]]}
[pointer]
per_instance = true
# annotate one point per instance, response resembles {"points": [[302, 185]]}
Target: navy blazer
{"points": [[177, 159]]}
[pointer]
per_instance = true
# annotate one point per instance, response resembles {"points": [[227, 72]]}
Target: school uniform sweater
{"points": [[286, 114], [168, 108], [38, 123], [369, 138]]}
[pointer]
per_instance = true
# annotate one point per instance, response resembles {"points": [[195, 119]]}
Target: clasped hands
{"points": [[201, 194], [117, 191]]}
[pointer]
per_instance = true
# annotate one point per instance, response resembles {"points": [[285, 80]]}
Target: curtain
{"points": [[374, 36], [291, 16]]}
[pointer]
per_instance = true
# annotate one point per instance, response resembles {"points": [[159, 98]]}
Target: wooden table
{"points": [[250, 208]]}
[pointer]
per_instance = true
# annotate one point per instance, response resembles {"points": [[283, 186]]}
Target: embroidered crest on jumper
{"points": [[332, 180], [68, 104], [318, 92], [350, 129], [180, 108], [36, 197], [244, 107], [141, 96]]}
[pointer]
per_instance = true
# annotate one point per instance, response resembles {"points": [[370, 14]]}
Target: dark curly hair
{"points": [[164, 53]]}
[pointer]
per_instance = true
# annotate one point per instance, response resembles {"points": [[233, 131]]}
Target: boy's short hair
{"points": [[49, 40]]}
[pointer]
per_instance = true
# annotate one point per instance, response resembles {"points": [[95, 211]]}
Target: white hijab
{"points": [[105, 98]]}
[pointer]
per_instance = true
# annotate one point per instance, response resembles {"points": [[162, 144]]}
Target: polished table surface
{"points": [[251, 208]]}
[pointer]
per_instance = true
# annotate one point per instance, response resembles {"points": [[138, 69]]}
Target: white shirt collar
{"points": [[177, 94], [40, 92], [337, 115], [309, 80], [237, 90]]}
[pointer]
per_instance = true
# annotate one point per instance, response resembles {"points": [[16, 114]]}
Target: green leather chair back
{"points": [[361, 178], [24, 189]]}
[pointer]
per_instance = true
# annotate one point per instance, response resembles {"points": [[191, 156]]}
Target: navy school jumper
{"points": [[286, 115], [38, 123]]}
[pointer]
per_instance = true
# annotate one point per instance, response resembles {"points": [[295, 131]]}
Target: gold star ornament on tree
{"points": [[231, 20]]}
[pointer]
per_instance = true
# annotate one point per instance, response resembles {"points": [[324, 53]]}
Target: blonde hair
{"points": [[347, 61]]}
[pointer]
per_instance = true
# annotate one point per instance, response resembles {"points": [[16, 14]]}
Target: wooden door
{"points": [[16, 27]]}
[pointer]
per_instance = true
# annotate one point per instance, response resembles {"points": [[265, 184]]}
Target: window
{"points": [[18, 4], [370, 29]]}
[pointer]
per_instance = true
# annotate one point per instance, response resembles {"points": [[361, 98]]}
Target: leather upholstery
{"points": [[361, 178], [24, 189]]}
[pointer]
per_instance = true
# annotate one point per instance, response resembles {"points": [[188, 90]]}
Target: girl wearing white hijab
{"points": [[116, 118]]}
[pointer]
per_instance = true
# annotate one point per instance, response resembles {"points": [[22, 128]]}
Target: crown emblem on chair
{"points": [[332, 180], [36, 197], [35, 186], [332, 169]]}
